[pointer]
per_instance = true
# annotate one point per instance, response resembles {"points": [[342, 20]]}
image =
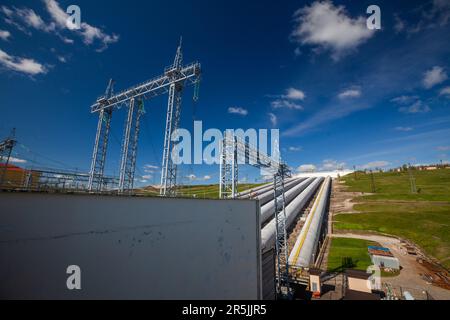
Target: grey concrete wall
{"points": [[129, 248]]}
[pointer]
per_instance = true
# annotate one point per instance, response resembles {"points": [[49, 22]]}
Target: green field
{"points": [[346, 253], [423, 218], [200, 191]]}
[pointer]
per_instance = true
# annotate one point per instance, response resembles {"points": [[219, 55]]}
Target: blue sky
{"points": [[341, 95]]}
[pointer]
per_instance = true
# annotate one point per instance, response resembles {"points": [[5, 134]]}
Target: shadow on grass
{"points": [[347, 263]]}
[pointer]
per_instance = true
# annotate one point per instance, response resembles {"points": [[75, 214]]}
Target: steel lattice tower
{"points": [[130, 146], [281, 244], [174, 79], [101, 142]]}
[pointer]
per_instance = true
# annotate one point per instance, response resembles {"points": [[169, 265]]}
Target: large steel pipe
{"points": [[305, 247], [260, 190], [268, 210], [292, 210], [267, 196]]}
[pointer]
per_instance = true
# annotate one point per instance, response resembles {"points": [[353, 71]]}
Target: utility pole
{"points": [[354, 171], [372, 182], [412, 180]]}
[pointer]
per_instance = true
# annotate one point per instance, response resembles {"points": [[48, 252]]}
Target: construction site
{"points": [[263, 242]]}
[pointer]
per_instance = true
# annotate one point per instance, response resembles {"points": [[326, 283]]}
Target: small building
{"points": [[383, 258], [315, 285], [14, 177], [358, 280]]}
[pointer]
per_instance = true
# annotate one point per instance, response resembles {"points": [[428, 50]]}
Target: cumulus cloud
{"points": [[350, 93], [404, 129], [238, 110], [22, 65], [88, 32], [273, 119], [417, 107], [295, 149], [434, 76], [294, 94], [329, 27], [443, 148], [307, 168], [4, 35], [375, 164], [24, 18]]}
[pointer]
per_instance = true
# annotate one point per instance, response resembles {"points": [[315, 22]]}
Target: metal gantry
{"points": [[6, 148], [174, 79], [235, 151], [229, 172], [281, 244]]}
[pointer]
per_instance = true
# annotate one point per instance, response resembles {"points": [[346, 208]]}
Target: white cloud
{"points": [[193, 177], [404, 129], [279, 104], [307, 168], [16, 160], [417, 107], [349, 93], [4, 35], [328, 27], [148, 168], [375, 164], [405, 99], [327, 114], [294, 94], [21, 17], [147, 177], [238, 110], [62, 59], [445, 92], [88, 32], [434, 76], [273, 119], [295, 149], [23, 65], [330, 165], [443, 148]]}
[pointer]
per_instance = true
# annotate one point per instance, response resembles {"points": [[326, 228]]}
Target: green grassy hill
{"points": [[423, 218]]}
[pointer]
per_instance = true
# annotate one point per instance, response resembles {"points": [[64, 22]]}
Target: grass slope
{"points": [[423, 218], [348, 253]]}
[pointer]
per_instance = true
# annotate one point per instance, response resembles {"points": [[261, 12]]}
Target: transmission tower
{"points": [[412, 180], [174, 79], [6, 148], [372, 182]]}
